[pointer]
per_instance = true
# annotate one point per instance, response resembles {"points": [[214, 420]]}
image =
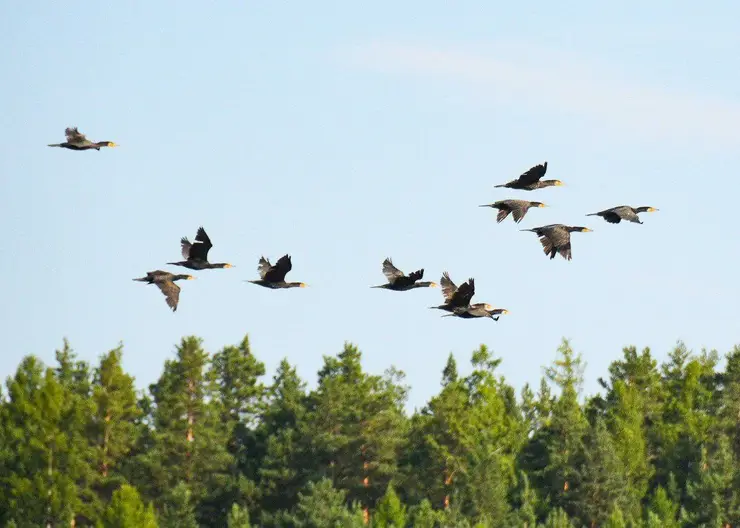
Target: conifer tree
{"points": [[126, 510], [389, 512], [178, 508], [238, 517]]}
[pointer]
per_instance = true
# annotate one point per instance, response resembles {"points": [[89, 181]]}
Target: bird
{"points": [[455, 297], [555, 238], [196, 253], [623, 212], [78, 141], [518, 208], [397, 281], [478, 310], [530, 180], [274, 276], [165, 281]]}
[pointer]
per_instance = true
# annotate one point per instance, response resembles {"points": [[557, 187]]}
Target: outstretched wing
{"points": [[547, 246], [263, 267], [612, 217], [565, 251], [518, 213], [74, 136], [277, 272], [416, 275], [533, 175], [391, 272], [501, 216], [171, 292], [199, 250], [447, 286], [464, 294], [185, 246]]}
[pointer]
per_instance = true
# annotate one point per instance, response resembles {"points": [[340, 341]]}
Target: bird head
{"points": [[651, 209], [584, 229], [228, 265], [111, 144], [302, 285], [558, 183], [433, 285], [539, 204], [190, 277]]}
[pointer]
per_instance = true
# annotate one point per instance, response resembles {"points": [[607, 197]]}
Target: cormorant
{"points": [[555, 238], [78, 141], [623, 212], [196, 253], [475, 311], [166, 282], [530, 180], [274, 276], [397, 281], [455, 297], [518, 208]]}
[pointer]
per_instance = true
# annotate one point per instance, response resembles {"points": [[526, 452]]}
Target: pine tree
{"points": [[238, 517], [321, 505], [389, 512], [126, 510], [178, 509]]}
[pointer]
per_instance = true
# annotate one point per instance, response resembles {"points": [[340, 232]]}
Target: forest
{"points": [[214, 443]]}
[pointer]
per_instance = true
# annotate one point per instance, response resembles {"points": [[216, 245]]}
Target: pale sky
{"points": [[343, 134]]}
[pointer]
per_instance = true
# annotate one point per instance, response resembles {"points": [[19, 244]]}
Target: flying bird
{"points": [[555, 238], [517, 208], [455, 297], [273, 276], [196, 253], [478, 310], [78, 141], [166, 282], [623, 212], [530, 180], [397, 281]]}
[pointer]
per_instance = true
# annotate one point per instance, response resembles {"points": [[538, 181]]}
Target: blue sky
{"points": [[343, 135]]}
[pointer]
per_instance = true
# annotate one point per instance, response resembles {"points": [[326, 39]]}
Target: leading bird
{"points": [[531, 180], [77, 141], [555, 238], [623, 212]]}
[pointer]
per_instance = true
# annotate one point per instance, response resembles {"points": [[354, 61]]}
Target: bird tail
{"points": [[592, 214], [497, 186], [55, 145], [142, 279], [532, 230]]}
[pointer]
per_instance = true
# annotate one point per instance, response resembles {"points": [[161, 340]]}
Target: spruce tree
{"points": [[126, 510]]}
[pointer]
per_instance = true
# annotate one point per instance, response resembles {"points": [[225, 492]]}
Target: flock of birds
{"points": [[555, 238]]}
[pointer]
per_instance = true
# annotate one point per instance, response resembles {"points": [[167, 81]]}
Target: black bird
{"points": [[623, 212], [78, 141], [196, 253], [166, 282], [518, 208], [274, 276], [455, 297], [555, 238], [478, 310], [530, 180], [397, 281]]}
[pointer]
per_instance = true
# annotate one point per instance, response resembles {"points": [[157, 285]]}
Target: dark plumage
{"points": [[455, 297], [78, 141], [397, 281], [623, 212], [530, 180], [555, 238], [196, 253], [166, 282], [475, 311], [518, 208], [274, 276]]}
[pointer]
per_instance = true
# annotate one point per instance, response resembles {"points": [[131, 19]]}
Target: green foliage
{"points": [[126, 510], [210, 444]]}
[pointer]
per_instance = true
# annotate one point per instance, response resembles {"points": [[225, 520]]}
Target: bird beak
{"points": [[229, 266], [303, 285], [433, 285], [559, 183], [190, 277], [587, 230], [111, 144], [652, 209], [542, 205], [505, 312]]}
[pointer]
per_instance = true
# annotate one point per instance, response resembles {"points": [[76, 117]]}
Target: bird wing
{"points": [[501, 216], [416, 275], [533, 175], [263, 267], [547, 246], [565, 251], [447, 286], [171, 292], [464, 293], [612, 217], [277, 272], [391, 272], [74, 136], [518, 213], [185, 246], [199, 250], [559, 236]]}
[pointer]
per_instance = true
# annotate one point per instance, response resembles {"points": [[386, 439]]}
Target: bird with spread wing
{"points": [[196, 253], [398, 281], [531, 180], [273, 276], [77, 141], [166, 283]]}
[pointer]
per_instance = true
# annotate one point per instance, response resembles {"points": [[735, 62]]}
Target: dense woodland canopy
{"points": [[214, 443]]}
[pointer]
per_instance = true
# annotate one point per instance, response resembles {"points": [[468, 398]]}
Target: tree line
{"points": [[213, 443]]}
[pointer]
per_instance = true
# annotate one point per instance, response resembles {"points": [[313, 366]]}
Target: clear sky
{"points": [[343, 134]]}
